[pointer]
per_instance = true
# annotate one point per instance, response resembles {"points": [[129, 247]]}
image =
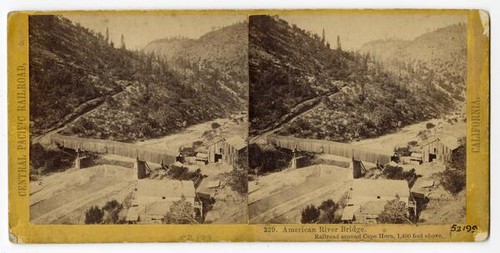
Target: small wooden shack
{"points": [[232, 149], [439, 149], [215, 149]]}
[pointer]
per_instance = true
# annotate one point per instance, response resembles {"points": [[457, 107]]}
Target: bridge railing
{"points": [[113, 147], [330, 147]]}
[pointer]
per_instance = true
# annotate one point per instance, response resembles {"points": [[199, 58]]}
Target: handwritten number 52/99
{"points": [[465, 228]]}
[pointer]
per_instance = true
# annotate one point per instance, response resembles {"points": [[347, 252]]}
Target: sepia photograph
{"points": [[138, 118], [303, 125], [357, 119]]}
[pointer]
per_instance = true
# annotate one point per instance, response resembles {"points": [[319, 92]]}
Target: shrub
{"points": [[328, 204], [181, 212], [392, 172], [110, 205], [47, 160], [402, 151], [183, 173], [238, 181], [37, 155], [327, 209], [177, 172], [429, 125], [94, 215], [239, 175], [453, 179], [310, 214], [412, 143], [112, 209], [268, 158], [395, 212], [397, 173], [215, 125]]}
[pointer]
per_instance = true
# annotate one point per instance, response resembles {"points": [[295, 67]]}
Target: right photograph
{"points": [[357, 118]]}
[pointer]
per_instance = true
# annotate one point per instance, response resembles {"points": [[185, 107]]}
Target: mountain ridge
{"points": [[289, 65], [222, 52], [136, 95], [441, 53]]}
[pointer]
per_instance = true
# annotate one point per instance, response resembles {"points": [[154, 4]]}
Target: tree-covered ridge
{"points": [[220, 54], [439, 57], [287, 65], [80, 80], [355, 95]]}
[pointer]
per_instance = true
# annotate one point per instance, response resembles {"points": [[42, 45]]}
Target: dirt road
{"points": [[388, 142], [185, 138]]}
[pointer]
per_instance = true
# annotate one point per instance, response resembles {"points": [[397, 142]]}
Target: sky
{"points": [[357, 29], [139, 30], [354, 29]]}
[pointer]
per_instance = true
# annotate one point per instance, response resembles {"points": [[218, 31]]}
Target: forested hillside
{"points": [[83, 84], [220, 54], [356, 95], [439, 57]]}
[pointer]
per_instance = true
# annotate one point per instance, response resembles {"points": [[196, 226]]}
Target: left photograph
{"points": [[138, 119]]}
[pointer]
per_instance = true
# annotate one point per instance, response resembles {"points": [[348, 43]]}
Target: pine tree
{"points": [[365, 62], [323, 39], [339, 46], [122, 42], [107, 35]]}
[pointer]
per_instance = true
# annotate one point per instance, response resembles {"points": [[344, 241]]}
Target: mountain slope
{"points": [[222, 52], [356, 96], [78, 78], [440, 54], [287, 66]]}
